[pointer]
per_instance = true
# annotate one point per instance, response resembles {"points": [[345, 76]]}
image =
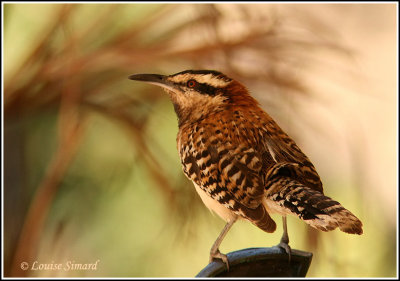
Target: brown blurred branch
{"points": [[71, 126]]}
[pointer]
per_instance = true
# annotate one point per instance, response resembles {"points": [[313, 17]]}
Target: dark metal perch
{"points": [[260, 262]]}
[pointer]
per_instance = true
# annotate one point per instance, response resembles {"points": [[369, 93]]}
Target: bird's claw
{"points": [[218, 255], [287, 249]]}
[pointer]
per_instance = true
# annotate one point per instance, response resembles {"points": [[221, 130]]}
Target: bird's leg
{"points": [[284, 244], [215, 253]]}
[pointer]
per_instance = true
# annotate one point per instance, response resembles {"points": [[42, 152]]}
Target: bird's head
{"points": [[198, 93]]}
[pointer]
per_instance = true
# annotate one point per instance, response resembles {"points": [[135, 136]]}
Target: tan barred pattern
{"points": [[227, 171]]}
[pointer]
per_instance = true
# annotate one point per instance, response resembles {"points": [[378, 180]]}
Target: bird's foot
{"points": [[218, 255], [284, 245]]}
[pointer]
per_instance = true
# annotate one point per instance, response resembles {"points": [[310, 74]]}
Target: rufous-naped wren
{"points": [[242, 164]]}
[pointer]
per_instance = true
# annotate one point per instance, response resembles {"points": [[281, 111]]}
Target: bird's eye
{"points": [[192, 83]]}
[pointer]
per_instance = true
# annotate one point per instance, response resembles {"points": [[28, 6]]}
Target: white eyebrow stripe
{"points": [[209, 79], [212, 80]]}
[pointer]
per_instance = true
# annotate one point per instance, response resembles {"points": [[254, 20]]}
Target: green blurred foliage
{"points": [[123, 199]]}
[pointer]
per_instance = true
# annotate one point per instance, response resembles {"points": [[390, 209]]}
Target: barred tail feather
{"points": [[312, 206], [344, 219]]}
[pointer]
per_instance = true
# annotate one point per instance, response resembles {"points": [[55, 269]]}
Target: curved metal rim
{"points": [[255, 254]]}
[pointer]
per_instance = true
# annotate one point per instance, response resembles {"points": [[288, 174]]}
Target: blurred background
{"points": [[91, 171]]}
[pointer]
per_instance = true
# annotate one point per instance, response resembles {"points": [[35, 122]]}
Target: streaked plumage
{"points": [[241, 162]]}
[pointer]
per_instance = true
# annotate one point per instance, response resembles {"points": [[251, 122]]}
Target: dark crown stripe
{"points": [[216, 73]]}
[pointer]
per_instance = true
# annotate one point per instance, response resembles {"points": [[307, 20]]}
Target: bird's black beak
{"points": [[149, 78], [155, 79]]}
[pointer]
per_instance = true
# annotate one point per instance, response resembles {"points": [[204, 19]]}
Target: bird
{"points": [[242, 164]]}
